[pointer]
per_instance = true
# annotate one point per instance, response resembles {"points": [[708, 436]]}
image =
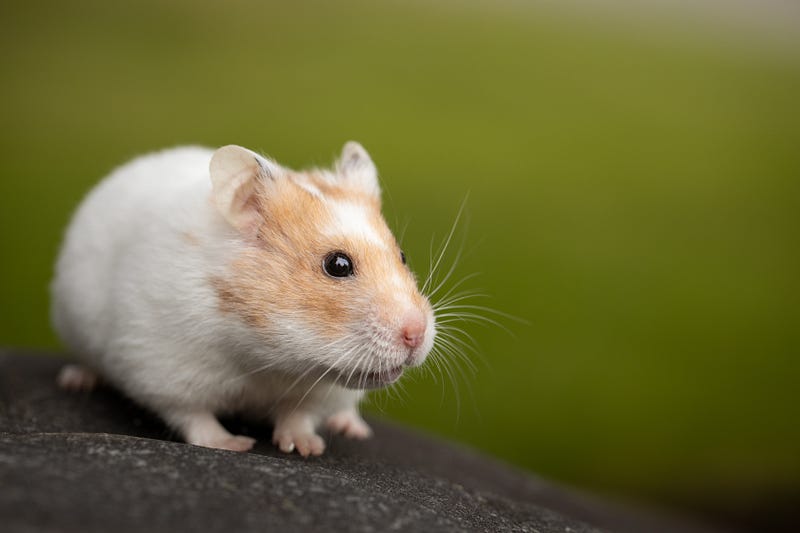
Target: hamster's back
{"points": [[136, 202]]}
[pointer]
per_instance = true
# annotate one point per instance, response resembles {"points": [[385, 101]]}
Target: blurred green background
{"points": [[634, 195]]}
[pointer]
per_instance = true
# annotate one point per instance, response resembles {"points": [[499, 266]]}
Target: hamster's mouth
{"points": [[370, 380]]}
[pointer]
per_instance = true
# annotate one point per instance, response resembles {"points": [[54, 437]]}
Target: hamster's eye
{"points": [[402, 257], [338, 265]]}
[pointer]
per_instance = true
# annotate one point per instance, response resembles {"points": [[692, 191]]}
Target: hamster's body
{"points": [[200, 300]]}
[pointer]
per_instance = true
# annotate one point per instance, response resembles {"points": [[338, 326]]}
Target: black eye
{"points": [[402, 257], [338, 265]]}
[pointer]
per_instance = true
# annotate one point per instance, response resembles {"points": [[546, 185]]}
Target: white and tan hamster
{"points": [[205, 283]]}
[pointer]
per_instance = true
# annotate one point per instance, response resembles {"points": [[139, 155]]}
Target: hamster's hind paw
{"points": [[350, 424], [77, 378], [202, 428], [234, 443]]}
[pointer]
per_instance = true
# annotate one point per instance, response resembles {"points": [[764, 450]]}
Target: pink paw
{"points": [[349, 424], [234, 443], [306, 443], [76, 378]]}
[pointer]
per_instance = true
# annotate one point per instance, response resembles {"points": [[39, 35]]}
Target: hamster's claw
{"points": [[350, 424]]}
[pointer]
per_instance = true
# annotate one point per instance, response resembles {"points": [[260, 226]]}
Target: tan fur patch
{"points": [[281, 274]]}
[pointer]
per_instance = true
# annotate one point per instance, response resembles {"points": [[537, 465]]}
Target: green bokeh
{"points": [[633, 195]]}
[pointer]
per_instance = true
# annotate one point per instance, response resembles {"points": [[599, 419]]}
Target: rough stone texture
{"points": [[97, 462]]}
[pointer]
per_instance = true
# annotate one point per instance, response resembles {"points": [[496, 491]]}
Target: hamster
{"points": [[203, 283]]}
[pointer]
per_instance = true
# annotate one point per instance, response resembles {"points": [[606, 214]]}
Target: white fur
{"points": [[357, 167], [132, 299], [352, 220], [310, 188]]}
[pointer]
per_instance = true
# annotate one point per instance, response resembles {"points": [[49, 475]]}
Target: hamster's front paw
{"points": [[297, 433], [349, 423]]}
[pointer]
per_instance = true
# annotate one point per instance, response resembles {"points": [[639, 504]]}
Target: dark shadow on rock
{"points": [[98, 462]]}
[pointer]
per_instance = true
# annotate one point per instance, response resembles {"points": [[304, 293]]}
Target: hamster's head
{"points": [[319, 278]]}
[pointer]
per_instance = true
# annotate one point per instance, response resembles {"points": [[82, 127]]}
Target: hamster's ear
{"points": [[235, 173], [355, 165]]}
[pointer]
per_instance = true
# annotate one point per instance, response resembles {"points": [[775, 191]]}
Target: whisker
{"points": [[320, 378], [451, 270], [251, 372], [452, 348], [458, 297], [446, 362], [459, 334], [456, 285], [491, 310], [445, 245], [349, 339]]}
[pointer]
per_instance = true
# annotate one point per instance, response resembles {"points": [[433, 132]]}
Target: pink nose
{"points": [[413, 330]]}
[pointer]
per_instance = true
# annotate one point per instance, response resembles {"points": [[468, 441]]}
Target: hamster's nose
{"points": [[413, 329]]}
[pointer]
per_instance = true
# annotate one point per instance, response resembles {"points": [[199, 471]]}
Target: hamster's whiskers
{"points": [[434, 265], [331, 367], [350, 342], [362, 375], [244, 375], [453, 346]]}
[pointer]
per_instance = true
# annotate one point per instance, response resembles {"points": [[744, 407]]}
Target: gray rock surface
{"points": [[97, 462]]}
